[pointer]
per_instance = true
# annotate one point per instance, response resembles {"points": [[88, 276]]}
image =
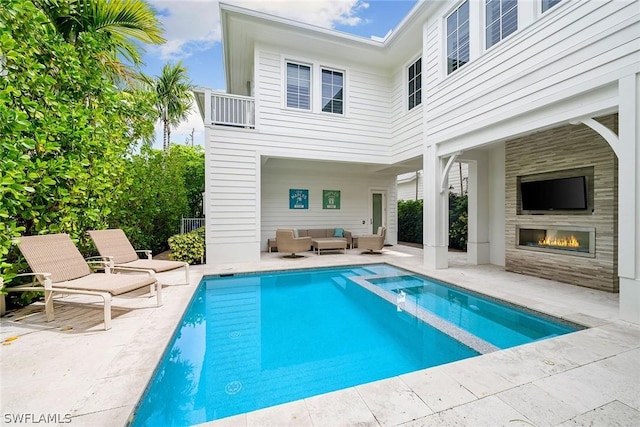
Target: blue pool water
{"points": [[251, 341]]}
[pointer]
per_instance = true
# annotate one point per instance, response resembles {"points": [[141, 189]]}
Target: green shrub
{"points": [[188, 247], [410, 221], [458, 221]]}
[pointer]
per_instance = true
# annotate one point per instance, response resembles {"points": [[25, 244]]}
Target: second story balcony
{"points": [[223, 109]]}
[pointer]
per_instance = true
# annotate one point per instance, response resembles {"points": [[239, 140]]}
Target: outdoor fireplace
{"points": [[578, 241]]}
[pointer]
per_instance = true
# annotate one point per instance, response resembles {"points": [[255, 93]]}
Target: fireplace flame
{"points": [[570, 242]]}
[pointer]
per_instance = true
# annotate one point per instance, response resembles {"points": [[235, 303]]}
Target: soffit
{"points": [[243, 28]]}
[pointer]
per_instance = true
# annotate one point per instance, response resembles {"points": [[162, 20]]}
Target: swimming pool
{"points": [[256, 340]]}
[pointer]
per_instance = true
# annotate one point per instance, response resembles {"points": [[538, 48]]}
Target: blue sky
{"points": [[192, 30]]}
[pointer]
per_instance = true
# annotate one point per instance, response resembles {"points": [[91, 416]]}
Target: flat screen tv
{"points": [[554, 194]]}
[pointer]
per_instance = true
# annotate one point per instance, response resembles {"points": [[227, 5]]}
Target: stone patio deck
{"points": [[72, 366]]}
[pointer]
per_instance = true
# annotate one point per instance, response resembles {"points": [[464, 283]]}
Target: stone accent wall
{"points": [[553, 153]]}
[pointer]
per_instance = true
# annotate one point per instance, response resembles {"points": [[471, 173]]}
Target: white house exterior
{"points": [[411, 184], [518, 90]]}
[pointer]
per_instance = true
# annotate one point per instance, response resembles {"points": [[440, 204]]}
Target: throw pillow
{"points": [[295, 233], [339, 232]]}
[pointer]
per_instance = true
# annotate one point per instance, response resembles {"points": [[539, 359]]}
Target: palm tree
{"points": [[122, 21], [174, 97]]}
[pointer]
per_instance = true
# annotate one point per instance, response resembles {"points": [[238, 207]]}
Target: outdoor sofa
{"points": [[321, 233]]}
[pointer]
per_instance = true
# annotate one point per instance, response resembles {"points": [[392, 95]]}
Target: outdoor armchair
{"points": [[58, 267], [114, 245], [288, 243], [372, 242]]}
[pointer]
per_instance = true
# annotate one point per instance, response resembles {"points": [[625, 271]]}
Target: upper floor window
{"points": [[501, 19], [548, 4], [332, 91], [298, 86], [458, 38], [415, 84]]}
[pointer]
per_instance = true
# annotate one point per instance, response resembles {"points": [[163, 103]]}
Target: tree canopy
{"points": [[121, 22], [174, 97], [65, 130], [70, 155]]}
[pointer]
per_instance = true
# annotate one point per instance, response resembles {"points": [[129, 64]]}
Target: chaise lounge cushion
{"points": [[106, 283]]}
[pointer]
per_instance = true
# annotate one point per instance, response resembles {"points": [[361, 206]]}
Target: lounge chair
{"points": [[288, 243], [373, 243], [58, 266], [114, 245]]}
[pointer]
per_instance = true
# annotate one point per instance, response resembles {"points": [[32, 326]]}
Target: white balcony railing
{"points": [[232, 110]]}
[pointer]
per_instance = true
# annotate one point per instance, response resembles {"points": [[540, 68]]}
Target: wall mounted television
{"points": [[554, 194]]}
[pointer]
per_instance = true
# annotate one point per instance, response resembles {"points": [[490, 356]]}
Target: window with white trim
{"points": [[298, 86], [458, 38], [415, 84], [332, 91], [501, 19], [548, 4]]}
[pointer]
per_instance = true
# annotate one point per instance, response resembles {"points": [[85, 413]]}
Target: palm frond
{"points": [[126, 19]]}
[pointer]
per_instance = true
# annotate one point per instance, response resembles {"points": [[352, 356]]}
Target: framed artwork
{"points": [[330, 199], [298, 199]]}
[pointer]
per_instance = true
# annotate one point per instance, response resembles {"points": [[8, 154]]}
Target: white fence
{"points": [[190, 224], [232, 110]]}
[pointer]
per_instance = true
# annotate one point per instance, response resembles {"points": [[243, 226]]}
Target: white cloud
{"points": [[323, 13], [189, 26], [194, 25]]}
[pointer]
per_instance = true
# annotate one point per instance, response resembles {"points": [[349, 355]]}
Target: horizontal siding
{"points": [[365, 128], [407, 126], [279, 175], [245, 208], [278, 145], [585, 45], [232, 187], [407, 188]]}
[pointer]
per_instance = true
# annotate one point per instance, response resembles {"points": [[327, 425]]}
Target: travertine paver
{"points": [[537, 405], [71, 366], [614, 414], [340, 408], [294, 414], [437, 389], [392, 402]]}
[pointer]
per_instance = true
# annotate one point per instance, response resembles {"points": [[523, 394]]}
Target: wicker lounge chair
{"points": [[288, 243], [114, 245], [373, 243], [58, 266]]}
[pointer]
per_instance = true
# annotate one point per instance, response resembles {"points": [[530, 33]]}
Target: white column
{"points": [[208, 112], [436, 212], [629, 198], [478, 248], [476, 30]]}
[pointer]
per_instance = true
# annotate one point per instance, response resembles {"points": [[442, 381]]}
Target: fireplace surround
{"points": [[576, 241], [564, 151]]}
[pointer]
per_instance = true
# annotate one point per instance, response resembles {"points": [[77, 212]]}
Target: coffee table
{"points": [[328, 244]]}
